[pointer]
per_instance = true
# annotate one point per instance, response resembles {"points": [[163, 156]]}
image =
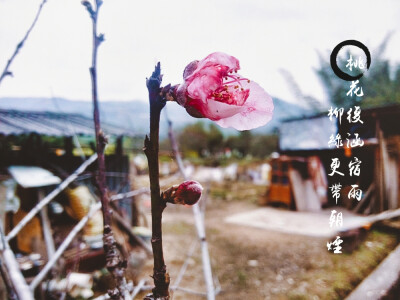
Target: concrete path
{"points": [[379, 283], [314, 224]]}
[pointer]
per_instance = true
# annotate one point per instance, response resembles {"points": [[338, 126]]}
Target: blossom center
{"points": [[231, 91]]}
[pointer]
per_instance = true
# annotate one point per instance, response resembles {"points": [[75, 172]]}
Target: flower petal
{"points": [[222, 59], [216, 110], [219, 63], [201, 86], [257, 110], [211, 90]]}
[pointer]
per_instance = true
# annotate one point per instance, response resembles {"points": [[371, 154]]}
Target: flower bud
{"points": [[188, 193], [190, 68]]}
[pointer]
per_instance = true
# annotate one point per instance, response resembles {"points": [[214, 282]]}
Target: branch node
{"points": [[155, 79], [147, 145], [100, 38], [89, 8], [103, 139]]}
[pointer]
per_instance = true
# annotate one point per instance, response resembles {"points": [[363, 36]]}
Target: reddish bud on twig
{"points": [[188, 192]]}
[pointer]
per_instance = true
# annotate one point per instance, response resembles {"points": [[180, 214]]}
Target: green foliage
{"points": [[214, 139], [381, 83], [241, 143], [194, 137], [255, 145], [207, 141], [264, 145]]}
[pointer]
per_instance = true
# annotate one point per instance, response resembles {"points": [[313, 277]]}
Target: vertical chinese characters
{"points": [[348, 141]]}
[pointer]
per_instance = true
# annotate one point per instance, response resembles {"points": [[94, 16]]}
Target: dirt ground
{"points": [[253, 263]]}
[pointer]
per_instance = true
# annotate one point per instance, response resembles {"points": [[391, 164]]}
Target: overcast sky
{"points": [[265, 36]]}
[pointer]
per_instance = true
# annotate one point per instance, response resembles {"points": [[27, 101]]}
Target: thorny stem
{"points": [[151, 146], [114, 264], [6, 72]]}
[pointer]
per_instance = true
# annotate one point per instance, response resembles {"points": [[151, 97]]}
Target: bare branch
{"points": [[115, 265], [6, 72], [151, 148]]}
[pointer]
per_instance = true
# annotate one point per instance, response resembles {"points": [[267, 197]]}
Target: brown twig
{"points": [[151, 148], [6, 72], [114, 264]]}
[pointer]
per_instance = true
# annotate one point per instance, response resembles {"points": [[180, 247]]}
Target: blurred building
{"points": [[38, 150], [300, 173]]}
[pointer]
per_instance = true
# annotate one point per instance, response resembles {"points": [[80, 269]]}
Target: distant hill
{"points": [[134, 115]]}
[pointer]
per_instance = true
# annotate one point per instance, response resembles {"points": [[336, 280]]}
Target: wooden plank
{"points": [[366, 199], [392, 184], [125, 224], [279, 193], [305, 195], [47, 231], [380, 173], [13, 271]]}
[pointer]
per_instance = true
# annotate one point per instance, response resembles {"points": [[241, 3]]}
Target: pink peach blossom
{"points": [[212, 89]]}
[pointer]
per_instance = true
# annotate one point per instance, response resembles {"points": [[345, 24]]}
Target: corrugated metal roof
{"points": [[306, 134], [16, 122]]}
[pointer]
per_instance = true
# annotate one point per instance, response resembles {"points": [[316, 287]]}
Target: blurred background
{"points": [[267, 194]]}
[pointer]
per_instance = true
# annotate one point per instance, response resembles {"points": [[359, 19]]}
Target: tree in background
{"points": [[208, 141], [194, 137], [255, 145], [263, 145], [381, 83], [215, 139], [240, 143]]}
